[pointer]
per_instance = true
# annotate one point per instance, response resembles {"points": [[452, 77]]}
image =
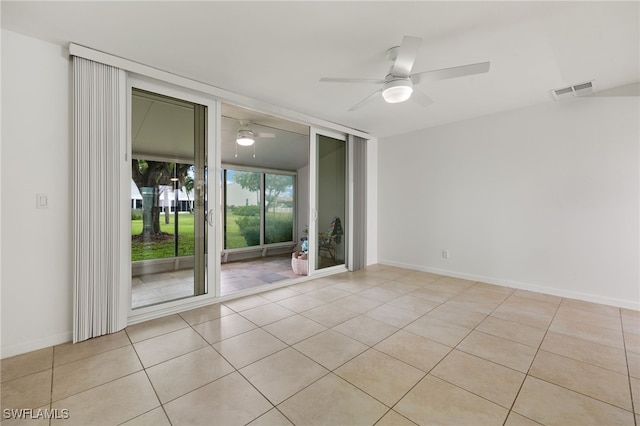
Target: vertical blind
{"points": [[359, 196], [99, 93]]}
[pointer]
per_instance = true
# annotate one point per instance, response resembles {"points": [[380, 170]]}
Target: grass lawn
{"points": [[143, 250]]}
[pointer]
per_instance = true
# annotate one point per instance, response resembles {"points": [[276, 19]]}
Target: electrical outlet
{"points": [[445, 254]]}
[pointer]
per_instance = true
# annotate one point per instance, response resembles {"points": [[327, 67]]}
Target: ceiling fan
{"points": [[397, 86], [247, 137]]}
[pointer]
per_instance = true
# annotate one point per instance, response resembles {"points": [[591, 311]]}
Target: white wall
{"points": [[544, 198], [36, 158]]}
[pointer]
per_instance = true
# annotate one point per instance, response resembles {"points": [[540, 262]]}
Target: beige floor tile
{"points": [[357, 304], [69, 352], [484, 378], [392, 418], [329, 315], [415, 304], [206, 313], [479, 294], [538, 296], [245, 303], [185, 373], [531, 305], [533, 319], [353, 286], [633, 360], [586, 351], [632, 342], [594, 333], [25, 364], [78, 376], [635, 391], [379, 294], [328, 294], [436, 293], [434, 401], [459, 284], [156, 327], [224, 328], [266, 314], [455, 313], [230, 400], [295, 328], [330, 349], [392, 315], [501, 351], [380, 375], [112, 403], [589, 317], [248, 347], [155, 417], [300, 303], [282, 374], [272, 417], [279, 294], [553, 405], [365, 329], [415, 350], [308, 286], [332, 401], [493, 287], [164, 347], [511, 330], [630, 321], [401, 287], [516, 419], [590, 306], [30, 391], [440, 331]]}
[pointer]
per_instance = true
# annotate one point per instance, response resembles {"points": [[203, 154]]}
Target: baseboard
{"points": [[33, 345], [612, 301]]}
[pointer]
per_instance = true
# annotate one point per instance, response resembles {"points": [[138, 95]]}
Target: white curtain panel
{"points": [[99, 93]]}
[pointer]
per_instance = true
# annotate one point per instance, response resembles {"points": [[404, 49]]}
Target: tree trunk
{"points": [[150, 211]]}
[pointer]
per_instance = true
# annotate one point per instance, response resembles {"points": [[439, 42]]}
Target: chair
{"points": [[328, 241]]}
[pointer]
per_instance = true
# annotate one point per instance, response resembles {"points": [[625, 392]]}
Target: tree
{"points": [[149, 176], [274, 185]]}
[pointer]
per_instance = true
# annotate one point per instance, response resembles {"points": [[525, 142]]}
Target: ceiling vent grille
{"points": [[571, 92]]}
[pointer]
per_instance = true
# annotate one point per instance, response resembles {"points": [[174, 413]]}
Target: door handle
{"points": [[210, 218]]}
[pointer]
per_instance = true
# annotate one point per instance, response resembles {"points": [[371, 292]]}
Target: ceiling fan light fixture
{"points": [[245, 138], [396, 91]]}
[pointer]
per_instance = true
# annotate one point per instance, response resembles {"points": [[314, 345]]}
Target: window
{"points": [[258, 208]]}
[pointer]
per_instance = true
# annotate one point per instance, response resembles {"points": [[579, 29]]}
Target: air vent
{"points": [[572, 91]]}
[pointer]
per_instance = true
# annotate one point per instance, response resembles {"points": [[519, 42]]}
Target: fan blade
{"points": [[420, 98], [365, 100], [265, 135], [452, 72], [350, 80], [407, 53]]}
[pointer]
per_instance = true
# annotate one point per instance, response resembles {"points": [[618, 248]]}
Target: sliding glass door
{"points": [[170, 218], [329, 196]]}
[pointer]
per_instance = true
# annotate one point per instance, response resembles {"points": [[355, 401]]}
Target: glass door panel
{"points": [[241, 209], [278, 208], [331, 201], [168, 198]]}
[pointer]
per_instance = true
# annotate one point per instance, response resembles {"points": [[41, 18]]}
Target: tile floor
{"points": [[151, 289], [382, 346]]}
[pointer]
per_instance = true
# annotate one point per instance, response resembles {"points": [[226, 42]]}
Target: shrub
{"points": [[279, 230], [136, 214], [246, 211], [250, 229]]}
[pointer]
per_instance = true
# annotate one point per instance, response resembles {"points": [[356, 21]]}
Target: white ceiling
{"points": [[276, 52]]}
